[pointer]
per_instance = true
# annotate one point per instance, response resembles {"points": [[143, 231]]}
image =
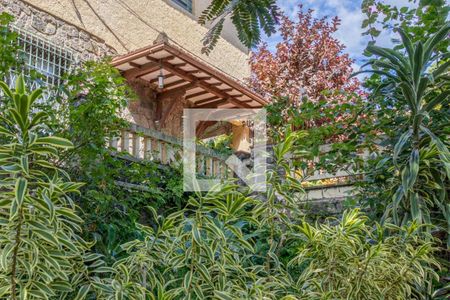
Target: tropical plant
{"points": [[416, 83], [42, 254], [349, 259], [199, 252], [248, 17]]}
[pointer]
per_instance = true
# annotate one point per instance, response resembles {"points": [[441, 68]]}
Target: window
{"points": [[186, 4], [44, 57]]}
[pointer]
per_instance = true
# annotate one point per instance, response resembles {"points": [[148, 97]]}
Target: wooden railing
{"points": [[149, 144]]}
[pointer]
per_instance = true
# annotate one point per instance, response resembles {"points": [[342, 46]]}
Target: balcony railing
{"points": [[148, 144]]}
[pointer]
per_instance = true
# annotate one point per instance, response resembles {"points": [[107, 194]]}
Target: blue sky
{"points": [[349, 33]]}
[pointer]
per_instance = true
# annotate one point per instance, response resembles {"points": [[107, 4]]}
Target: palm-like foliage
{"points": [[418, 82], [41, 253], [197, 253], [248, 16], [351, 260]]}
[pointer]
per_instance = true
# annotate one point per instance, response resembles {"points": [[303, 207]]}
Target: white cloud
{"points": [[350, 31]]}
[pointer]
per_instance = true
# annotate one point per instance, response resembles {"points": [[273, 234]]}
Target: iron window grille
{"points": [[186, 4], [44, 57]]}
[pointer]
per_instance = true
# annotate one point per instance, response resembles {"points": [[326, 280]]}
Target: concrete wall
{"points": [[132, 24]]}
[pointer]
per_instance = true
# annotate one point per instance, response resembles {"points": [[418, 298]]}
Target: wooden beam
{"points": [[185, 87], [213, 104], [196, 94], [203, 101], [134, 65], [239, 103], [168, 85], [213, 72], [189, 77], [168, 58], [141, 70]]}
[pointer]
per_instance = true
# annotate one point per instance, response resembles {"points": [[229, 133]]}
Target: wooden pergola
{"points": [[202, 86], [205, 86]]}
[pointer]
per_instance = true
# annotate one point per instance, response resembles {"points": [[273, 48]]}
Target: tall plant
{"points": [[416, 82], [41, 253], [350, 259]]}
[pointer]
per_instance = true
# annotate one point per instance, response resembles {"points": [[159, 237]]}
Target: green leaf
{"points": [[401, 144], [50, 205], [20, 84], [187, 280], [222, 295], [55, 142], [413, 167], [6, 89], [46, 235], [82, 292], [20, 190]]}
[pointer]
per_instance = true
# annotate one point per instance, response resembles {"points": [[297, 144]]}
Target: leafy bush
{"points": [[42, 254], [353, 260]]}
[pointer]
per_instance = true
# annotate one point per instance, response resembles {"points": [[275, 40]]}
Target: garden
{"points": [[68, 231]]}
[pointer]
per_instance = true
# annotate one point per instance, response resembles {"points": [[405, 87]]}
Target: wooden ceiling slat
{"points": [[206, 100], [141, 70], [196, 94], [194, 66], [185, 87], [212, 104], [175, 83], [191, 78]]}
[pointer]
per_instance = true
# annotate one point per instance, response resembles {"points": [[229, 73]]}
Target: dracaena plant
{"points": [[416, 82], [41, 253], [350, 259], [200, 252]]}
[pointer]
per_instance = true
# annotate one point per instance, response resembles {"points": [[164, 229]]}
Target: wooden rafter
{"points": [[141, 70], [203, 101], [191, 78], [224, 90], [201, 93]]}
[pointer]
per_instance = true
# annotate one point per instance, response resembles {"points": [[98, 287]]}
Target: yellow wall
{"points": [[127, 25]]}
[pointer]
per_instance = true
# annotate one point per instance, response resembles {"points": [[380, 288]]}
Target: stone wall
{"points": [[84, 45]]}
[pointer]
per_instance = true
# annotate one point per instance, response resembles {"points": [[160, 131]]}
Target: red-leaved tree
{"points": [[308, 61]]}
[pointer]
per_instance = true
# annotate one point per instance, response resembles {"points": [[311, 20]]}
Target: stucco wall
{"points": [[132, 24]]}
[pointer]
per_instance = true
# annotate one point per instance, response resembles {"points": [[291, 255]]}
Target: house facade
{"points": [[156, 45]]}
